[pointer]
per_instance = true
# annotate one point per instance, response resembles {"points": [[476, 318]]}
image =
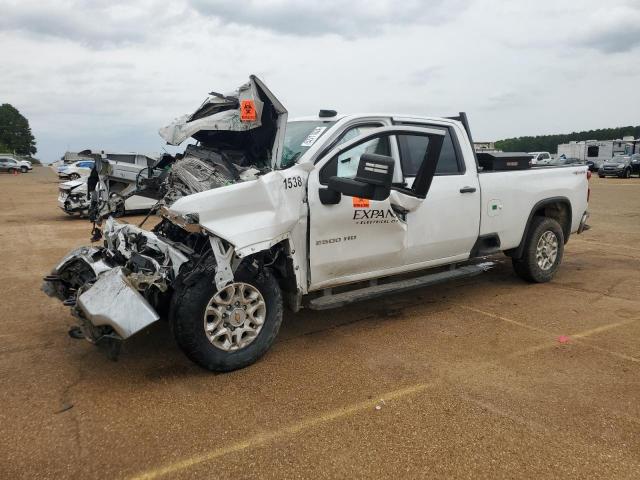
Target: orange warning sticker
{"points": [[360, 202], [248, 111]]}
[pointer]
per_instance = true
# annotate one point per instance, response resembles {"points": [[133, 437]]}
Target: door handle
{"points": [[467, 189]]}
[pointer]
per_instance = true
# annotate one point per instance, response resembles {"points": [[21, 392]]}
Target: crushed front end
{"points": [[72, 197], [117, 289]]}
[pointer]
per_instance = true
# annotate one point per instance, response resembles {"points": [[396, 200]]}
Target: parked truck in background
{"points": [[332, 209], [118, 192], [540, 158]]}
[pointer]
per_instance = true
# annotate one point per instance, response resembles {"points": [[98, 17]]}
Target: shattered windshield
{"points": [[299, 137]]}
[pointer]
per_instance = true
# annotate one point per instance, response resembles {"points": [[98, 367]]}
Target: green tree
{"points": [[15, 133], [549, 143]]}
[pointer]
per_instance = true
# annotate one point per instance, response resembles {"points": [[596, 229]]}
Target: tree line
{"points": [[549, 143], [15, 132]]}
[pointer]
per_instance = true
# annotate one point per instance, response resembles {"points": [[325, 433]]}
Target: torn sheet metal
{"points": [[112, 301], [89, 256], [251, 109], [72, 197], [128, 239]]}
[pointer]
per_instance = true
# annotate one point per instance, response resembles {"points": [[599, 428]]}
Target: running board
{"points": [[328, 301]]}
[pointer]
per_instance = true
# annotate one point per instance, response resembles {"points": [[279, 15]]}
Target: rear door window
{"points": [[413, 149]]}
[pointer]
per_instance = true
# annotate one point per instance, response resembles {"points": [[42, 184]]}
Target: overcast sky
{"points": [[108, 74]]}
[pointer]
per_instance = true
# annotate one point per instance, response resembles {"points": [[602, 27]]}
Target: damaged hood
{"points": [[74, 184], [250, 116], [251, 213]]}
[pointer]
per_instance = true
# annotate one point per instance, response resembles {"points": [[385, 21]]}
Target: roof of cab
{"points": [[338, 117]]}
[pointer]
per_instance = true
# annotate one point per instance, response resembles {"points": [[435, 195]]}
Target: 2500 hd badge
{"points": [[331, 241]]}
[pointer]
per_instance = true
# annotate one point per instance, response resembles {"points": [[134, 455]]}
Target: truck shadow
{"points": [[155, 357]]}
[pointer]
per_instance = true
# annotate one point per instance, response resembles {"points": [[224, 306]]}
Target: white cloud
{"points": [[110, 74], [348, 18]]}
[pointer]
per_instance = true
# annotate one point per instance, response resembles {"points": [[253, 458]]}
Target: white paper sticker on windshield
{"points": [[313, 136]]}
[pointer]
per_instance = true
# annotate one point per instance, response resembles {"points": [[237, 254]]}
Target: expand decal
{"points": [[374, 216]]}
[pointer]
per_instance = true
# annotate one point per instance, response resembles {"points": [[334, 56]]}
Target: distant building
{"points": [[598, 150], [126, 157], [484, 146], [70, 157]]}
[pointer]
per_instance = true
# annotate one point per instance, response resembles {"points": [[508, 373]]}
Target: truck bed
{"points": [[508, 198]]}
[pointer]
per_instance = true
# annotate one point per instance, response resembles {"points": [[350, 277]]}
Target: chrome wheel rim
{"points": [[234, 316], [547, 250]]}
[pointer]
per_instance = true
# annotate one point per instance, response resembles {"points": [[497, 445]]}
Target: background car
{"points": [[75, 170], [565, 161], [618, 166], [635, 163], [8, 164], [594, 165]]}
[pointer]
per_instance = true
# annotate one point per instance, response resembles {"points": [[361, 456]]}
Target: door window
{"points": [[413, 149], [345, 165]]}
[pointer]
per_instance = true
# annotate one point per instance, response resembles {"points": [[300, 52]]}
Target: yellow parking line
{"points": [[577, 337], [621, 356], [604, 328], [266, 437], [504, 319]]}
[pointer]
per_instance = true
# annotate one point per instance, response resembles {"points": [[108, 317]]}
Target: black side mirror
{"points": [[373, 180]]}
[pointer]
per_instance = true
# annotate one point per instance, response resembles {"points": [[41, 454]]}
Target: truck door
{"points": [[444, 226], [351, 238]]}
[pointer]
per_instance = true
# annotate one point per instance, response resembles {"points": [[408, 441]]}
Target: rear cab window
{"points": [[413, 149]]}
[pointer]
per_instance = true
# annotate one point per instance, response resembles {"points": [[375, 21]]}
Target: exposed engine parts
{"points": [[201, 169]]}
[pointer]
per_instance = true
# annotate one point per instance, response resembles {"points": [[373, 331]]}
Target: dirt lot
{"points": [[472, 378]]}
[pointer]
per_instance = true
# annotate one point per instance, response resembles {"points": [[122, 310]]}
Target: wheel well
{"points": [[278, 259], [557, 208], [560, 211]]}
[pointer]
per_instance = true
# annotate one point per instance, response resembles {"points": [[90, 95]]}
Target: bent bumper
{"points": [[111, 289], [112, 301]]}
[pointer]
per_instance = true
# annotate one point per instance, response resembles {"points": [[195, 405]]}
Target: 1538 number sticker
{"points": [[292, 182]]}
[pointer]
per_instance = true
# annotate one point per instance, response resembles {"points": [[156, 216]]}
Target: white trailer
{"points": [[596, 150]]}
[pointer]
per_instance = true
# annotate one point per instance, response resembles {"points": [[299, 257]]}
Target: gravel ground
{"points": [[482, 378]]}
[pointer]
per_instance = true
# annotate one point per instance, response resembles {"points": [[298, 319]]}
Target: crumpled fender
{"points": [[253, 215]]}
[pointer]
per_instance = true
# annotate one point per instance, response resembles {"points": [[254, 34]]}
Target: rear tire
{"points": [[543, 250], [189, 321], [601, 176], [12, 171]]}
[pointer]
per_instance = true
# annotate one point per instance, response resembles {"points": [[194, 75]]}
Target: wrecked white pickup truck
{"points": [[318, 212]]}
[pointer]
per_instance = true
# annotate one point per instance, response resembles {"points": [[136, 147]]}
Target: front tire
{"points": [[228, 329], [24, 169], [543, 250], [74, 176], [627, 173]]}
